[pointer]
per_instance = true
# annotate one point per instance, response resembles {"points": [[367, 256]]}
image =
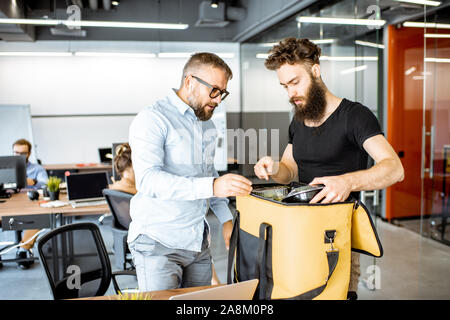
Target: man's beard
{"points": [[314, 107], [200, 110]]}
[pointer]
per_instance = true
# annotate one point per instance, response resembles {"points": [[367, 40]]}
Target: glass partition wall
{"points": [[398, 70], [436, 128]]}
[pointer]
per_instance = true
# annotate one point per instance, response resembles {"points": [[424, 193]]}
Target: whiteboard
{"points": [[15, 124]]}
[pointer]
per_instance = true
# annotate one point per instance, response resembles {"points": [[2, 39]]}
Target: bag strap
{"points": [[332, 257], [232, 248], [263, 267]]}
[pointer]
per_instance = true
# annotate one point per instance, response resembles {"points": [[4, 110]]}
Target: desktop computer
{"points": [[13, 174], [105, 155]]}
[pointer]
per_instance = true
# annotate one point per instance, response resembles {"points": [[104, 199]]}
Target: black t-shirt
{"points": [[335, 147]]}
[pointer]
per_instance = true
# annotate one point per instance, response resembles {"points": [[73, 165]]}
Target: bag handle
{"points": [[263, 267], [332, 258], [232, 247]]}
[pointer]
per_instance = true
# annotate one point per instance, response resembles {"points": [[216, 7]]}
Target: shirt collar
{"points": [[181, 106]]}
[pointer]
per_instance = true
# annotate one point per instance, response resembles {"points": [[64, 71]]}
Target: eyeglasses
{"points": [[20, 153], [215, 92]]}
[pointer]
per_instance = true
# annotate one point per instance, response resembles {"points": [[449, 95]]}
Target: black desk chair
{"points": [[76, 262], [119, 204]]}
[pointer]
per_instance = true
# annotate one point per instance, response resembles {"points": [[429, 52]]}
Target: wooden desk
{"points": [[79, 166], [59, 170], [155, 295], [21, 208], [80, 211], [19, 213], [19, 204]]}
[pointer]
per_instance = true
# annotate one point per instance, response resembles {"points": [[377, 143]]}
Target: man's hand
{"points": [[227, 228], [230, 185], [337, 189], [265, 167], [31, 182]]}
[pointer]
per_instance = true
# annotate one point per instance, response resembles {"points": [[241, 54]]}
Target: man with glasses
{"points": [[173, 146], [36, 178]]}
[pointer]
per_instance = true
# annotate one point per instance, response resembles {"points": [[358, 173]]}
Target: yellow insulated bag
{"points": [[298, 250]]}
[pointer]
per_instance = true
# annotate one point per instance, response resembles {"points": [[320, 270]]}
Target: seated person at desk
{"points": [[36, 174], [36, 178], [123, 166]]}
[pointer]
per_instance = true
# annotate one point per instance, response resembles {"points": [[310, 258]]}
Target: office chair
{"points": [[119, 204], [76, 262]]}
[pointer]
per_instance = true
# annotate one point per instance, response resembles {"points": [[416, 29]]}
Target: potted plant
{"points": [[53, 187]]}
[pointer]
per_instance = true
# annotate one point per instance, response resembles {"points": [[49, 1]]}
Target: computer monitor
{"points": [[116, 175], [105, 155], [86, 186], [13, 172]]}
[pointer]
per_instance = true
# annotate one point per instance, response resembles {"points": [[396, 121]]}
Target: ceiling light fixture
{"points": [[223, 55], [214, 3], [345, 21], [369, 44], [323, 41], [359, 58], [424, 2], [432, 25], [437, 60], [353, 70], [114, 54], [35, 54], [410, 70], [437, 35], [330, 58], [86, 23]]}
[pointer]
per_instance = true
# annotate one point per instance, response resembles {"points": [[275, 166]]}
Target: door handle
{"points": [[430, 134]]}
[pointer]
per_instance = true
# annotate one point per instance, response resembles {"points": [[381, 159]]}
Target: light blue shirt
{"points": [[173, 162], [38, 173]]}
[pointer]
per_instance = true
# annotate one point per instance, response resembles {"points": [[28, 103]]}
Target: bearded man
{"points": [[330, 138], [173, 144]]}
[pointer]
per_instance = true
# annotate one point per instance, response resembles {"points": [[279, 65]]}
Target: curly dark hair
{"points": [[293, 50]]}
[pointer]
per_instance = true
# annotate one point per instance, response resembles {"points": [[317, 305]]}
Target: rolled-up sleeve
{"points": [[147, 138], [219, 206]]}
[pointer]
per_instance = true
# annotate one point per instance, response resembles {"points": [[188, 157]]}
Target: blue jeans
{"points": [[160, 268]]}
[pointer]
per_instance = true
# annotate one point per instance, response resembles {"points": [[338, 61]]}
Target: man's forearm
{"points": [[282, 174], [157, 183], [380, 176]]}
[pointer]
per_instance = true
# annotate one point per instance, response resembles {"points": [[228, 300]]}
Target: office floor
{"points": [[413, 267]]}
